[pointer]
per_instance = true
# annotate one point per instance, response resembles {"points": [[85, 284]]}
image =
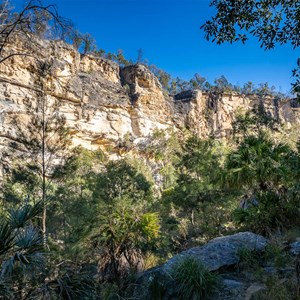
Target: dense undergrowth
{"points": [[108, 220], [75, 225]]}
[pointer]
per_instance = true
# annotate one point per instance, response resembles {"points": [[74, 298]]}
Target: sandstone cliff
{"points": [[103, 102]]}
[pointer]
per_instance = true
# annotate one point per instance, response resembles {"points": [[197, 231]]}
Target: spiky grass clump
{"points": [[192, 279]]}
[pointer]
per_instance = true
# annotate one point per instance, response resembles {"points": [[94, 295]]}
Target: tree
{"points": [[254, 122], [40, 144], [121, 180], [182, 85], [264, 174], [120, 226], [248, 88], [74, 210], [198, 81], [271, 21], [192, 206], [121, 58], [162, 76], [85, 43], [199, 162], [140, 57], [222, 84], [258, 164], [124, 233], [35, 18]]}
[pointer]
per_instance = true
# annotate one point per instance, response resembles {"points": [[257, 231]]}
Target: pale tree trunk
{"points": [[44, 228]]}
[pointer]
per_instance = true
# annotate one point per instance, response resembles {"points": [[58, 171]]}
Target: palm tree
{"points": [[21, 248], [258, 164], [263, 172]]}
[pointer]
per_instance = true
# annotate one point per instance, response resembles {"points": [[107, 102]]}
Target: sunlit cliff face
{"points": [[103, 102]]}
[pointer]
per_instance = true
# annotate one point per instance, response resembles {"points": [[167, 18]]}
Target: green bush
{"points": [[122, 238], [273, 211], [192, 279]]}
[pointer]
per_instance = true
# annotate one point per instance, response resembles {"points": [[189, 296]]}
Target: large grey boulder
{"points": [[220, 252]]}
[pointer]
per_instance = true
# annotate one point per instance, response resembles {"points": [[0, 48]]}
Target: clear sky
{"points": [[169, 33]]}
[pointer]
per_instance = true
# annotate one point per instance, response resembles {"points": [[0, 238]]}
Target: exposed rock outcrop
{"points": [[222, 251], [244, 263], [103, 102]]}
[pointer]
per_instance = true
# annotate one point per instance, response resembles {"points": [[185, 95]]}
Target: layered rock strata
{"points": [[103, 102]]}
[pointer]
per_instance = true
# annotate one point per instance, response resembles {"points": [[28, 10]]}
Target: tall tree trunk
{"points": [[44, 171]]}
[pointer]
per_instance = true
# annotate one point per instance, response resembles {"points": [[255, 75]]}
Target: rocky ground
{"points": [[248, 267]]}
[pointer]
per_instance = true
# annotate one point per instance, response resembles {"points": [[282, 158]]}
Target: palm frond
{"points": [[18, 217], [6, 238]]}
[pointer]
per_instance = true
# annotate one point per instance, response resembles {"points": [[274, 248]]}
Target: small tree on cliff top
{"points": [[36, 18]]}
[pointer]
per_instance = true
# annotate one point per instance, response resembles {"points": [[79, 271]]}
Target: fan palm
{"points": [[258, 163], [21, 246]]}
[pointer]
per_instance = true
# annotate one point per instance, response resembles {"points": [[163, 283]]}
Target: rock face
{"points": [[213, 114], [220, 255], [103, 102], [221, 252]]}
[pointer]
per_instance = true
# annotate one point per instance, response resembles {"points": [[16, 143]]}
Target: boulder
{"points": [[221, 252]]}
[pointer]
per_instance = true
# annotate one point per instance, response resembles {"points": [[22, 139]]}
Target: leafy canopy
{"points": [[271, 21]]}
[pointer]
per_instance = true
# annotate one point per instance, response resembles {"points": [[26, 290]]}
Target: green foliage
{"points": [[264, 173], [109, 291], [40, 145], [271, 211], [200, 158], [248, 259], [156, 286], [275, 252], [279, 289], [65, 281], [162, 76], [296, 83], [258, 163], [223, 85], [165, 148], [123, 235], [119, 180], [21, 248], [195, 197], [73, 211], [84, 43], [254, 122], [192, 280], [271, 22], [198, 82]]}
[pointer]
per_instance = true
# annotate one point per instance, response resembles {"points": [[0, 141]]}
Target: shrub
{"points": [[273, 211], [192, 279], [279, 289], [124, 235]]}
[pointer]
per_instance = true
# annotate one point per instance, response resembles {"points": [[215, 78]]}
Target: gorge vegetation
{"points": [[77, 225]]}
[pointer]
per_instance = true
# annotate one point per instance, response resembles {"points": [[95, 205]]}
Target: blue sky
{"points": [[169, 33]]}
